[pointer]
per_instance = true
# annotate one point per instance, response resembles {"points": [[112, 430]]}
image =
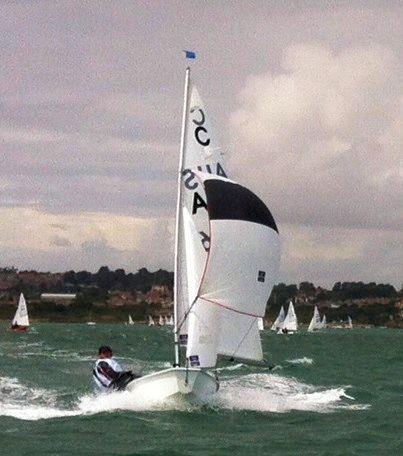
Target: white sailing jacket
{"points": [[105, 371]]}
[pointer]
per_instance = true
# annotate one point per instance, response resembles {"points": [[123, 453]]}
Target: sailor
{"points": [[108, 374]]}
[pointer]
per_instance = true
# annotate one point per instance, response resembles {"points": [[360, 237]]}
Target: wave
{"points": [[273, 393], [303, 360], [254, 392]]}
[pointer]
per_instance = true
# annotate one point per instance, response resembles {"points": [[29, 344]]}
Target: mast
{"points": [[178, 212]]}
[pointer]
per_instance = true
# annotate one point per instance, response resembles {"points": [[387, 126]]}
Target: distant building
{"points": [[58, 297]]}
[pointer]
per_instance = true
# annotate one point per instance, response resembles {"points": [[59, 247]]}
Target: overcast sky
{"points": [[305, 98]]}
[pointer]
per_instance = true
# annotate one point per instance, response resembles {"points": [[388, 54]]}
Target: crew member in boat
{"points": [[108, 374]]}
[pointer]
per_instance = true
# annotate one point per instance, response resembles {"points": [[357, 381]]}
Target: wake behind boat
{"points": [[227, 258]]}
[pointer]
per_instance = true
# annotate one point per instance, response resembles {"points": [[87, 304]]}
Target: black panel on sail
{"points": [[230, 201]]}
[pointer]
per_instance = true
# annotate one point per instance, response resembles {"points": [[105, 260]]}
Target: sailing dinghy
{"points": [[324, 323], [150, 321], [21, 321], [290, 324], [315, 323], [278, 324], [260, 323], [130, 322], [227, 256]]}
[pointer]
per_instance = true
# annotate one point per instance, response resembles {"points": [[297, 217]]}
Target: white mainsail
{"points": [[161, 320], [315, 321], [323, 322], [350, 322], [290, 321], [238, 276], [199, 152], [150, 321], [131, 322], [21, 315], [278, 324]]}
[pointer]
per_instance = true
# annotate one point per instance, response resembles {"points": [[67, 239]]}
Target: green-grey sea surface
{"points": [[335, 392]]}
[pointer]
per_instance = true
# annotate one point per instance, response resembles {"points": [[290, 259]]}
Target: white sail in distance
{"points": [[350, 322], [21, 315], [323, 322], [260, 323], [239, 274], [315, 321], [199, 152], [131, 322], [290, 321], [150, 321], [278, 324]]}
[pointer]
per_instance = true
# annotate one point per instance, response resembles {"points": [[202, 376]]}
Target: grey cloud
{"points": [[90, 112]]}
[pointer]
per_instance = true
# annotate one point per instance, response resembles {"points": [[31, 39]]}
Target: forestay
{"points": [[200, 152], [240, 271], [21, 315]]}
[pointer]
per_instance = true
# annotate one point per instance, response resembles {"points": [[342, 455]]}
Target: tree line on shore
{"points": [[143, 280], [371, 302]]}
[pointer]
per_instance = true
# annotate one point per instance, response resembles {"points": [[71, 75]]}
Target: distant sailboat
{"points": [[260, 323], [350, 322], [324, 323], [221, 282], [21, 321], [169, 321], [278, 324], [161, 320], [130, 322], [150, 321], [315, 321], [290, 324]]}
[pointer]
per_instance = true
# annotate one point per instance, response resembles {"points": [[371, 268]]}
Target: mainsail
{"points": [[350, 322], [21, 315], [323, 323], [131, 322], [315, 321], [290, 321], [278, 324], [199, 152], [239, 273]]}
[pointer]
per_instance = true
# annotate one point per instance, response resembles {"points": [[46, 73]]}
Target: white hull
{"points": [[177, 382]]}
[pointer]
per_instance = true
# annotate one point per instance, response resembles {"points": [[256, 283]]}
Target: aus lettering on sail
{"points": [[202, 155]]}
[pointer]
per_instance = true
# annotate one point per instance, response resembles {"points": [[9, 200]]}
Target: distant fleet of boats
{"points": [[284, 323]]}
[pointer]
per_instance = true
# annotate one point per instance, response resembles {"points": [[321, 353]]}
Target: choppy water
{"points": [[336, 392]]}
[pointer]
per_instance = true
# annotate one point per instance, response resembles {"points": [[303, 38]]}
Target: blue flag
{"points": [[190, 54]]}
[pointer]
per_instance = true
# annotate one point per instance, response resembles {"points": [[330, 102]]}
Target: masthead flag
{"points": [[190, 54]]}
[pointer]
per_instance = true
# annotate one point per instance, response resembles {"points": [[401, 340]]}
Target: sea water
{"points": [[332, 392]]}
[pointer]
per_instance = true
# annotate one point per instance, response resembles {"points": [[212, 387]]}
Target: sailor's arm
{"points": [[105, 369]]}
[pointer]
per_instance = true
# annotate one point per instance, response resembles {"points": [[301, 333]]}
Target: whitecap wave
{"points": [[303, 360], [273, 393], [254, 392]]}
